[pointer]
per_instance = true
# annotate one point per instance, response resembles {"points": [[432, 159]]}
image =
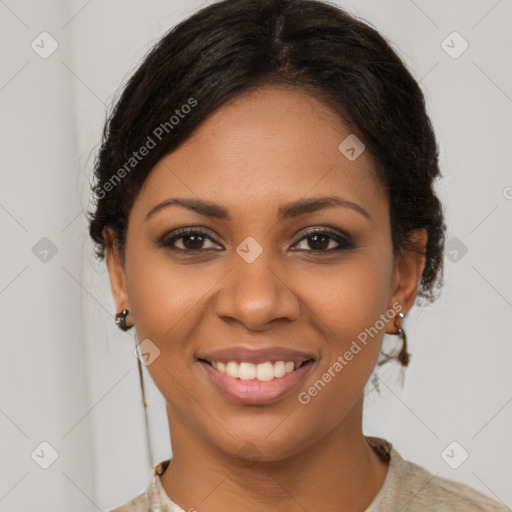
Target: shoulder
{"points": [[422, 490], [409, 487], [138, 504]]}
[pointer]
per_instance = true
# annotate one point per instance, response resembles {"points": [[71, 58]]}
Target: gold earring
{"points": [[403, 357], [121, 320]]}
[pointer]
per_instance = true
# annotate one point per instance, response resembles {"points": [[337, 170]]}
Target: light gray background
{"points": [[68, 375]]}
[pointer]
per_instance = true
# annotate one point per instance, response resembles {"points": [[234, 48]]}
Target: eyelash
{"points": [[344, 241]]}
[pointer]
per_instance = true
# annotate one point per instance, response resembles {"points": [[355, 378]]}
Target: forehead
{"points": [[268, 146]]}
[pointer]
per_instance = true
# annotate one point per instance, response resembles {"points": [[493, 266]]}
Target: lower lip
{"points": [[256, 392]]}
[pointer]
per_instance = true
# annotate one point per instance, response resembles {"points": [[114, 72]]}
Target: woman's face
{"points": [[264, 274]]}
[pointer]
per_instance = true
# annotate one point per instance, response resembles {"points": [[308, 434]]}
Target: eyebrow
{"points": [[286, 211]]}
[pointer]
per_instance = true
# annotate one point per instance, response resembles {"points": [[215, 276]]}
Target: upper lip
{"points": [[256, 356]]}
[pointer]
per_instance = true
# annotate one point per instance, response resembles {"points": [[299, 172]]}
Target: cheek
{"points": [[170, 302], [345, 303], [349, 297], [165, 296], [166, 304]]}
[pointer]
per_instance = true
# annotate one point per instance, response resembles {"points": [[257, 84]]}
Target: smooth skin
{"points": [[264, 149]]}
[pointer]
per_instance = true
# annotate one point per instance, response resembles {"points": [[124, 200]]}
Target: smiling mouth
{"points": [[265, 371]]}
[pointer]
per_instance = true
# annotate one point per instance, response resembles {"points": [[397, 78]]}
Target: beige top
{"points": [[406, 488]]}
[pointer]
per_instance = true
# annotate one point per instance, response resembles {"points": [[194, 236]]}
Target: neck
{"points": [[338, 471]]}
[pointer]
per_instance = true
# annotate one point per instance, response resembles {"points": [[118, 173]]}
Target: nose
{"points": [[254, 295]]}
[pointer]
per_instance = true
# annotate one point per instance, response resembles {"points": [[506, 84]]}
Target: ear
{"points": [[408, 268], [115, 269]]}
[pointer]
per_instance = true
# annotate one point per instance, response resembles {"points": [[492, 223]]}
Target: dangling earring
{"points": [[121, 323], [121, 320], [403, 356]]}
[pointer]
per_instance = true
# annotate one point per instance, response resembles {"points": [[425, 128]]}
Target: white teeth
{"points": [[279, 369], [232, 369], [265, 371], [248, 371]]}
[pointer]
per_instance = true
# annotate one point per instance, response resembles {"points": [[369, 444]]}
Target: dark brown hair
{"points": [[234, 46]]}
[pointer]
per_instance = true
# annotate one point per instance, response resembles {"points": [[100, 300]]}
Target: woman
{"points": [[265, 204]]}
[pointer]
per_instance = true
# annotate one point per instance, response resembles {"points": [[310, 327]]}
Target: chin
{"points": [[255, 443]]}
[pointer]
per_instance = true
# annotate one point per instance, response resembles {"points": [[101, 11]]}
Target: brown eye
{"points": [[321, 241], [188, 240], [194, 241]]}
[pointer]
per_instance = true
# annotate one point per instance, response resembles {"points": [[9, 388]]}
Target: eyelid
{"points": [[167, 240], [340, 237]]}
